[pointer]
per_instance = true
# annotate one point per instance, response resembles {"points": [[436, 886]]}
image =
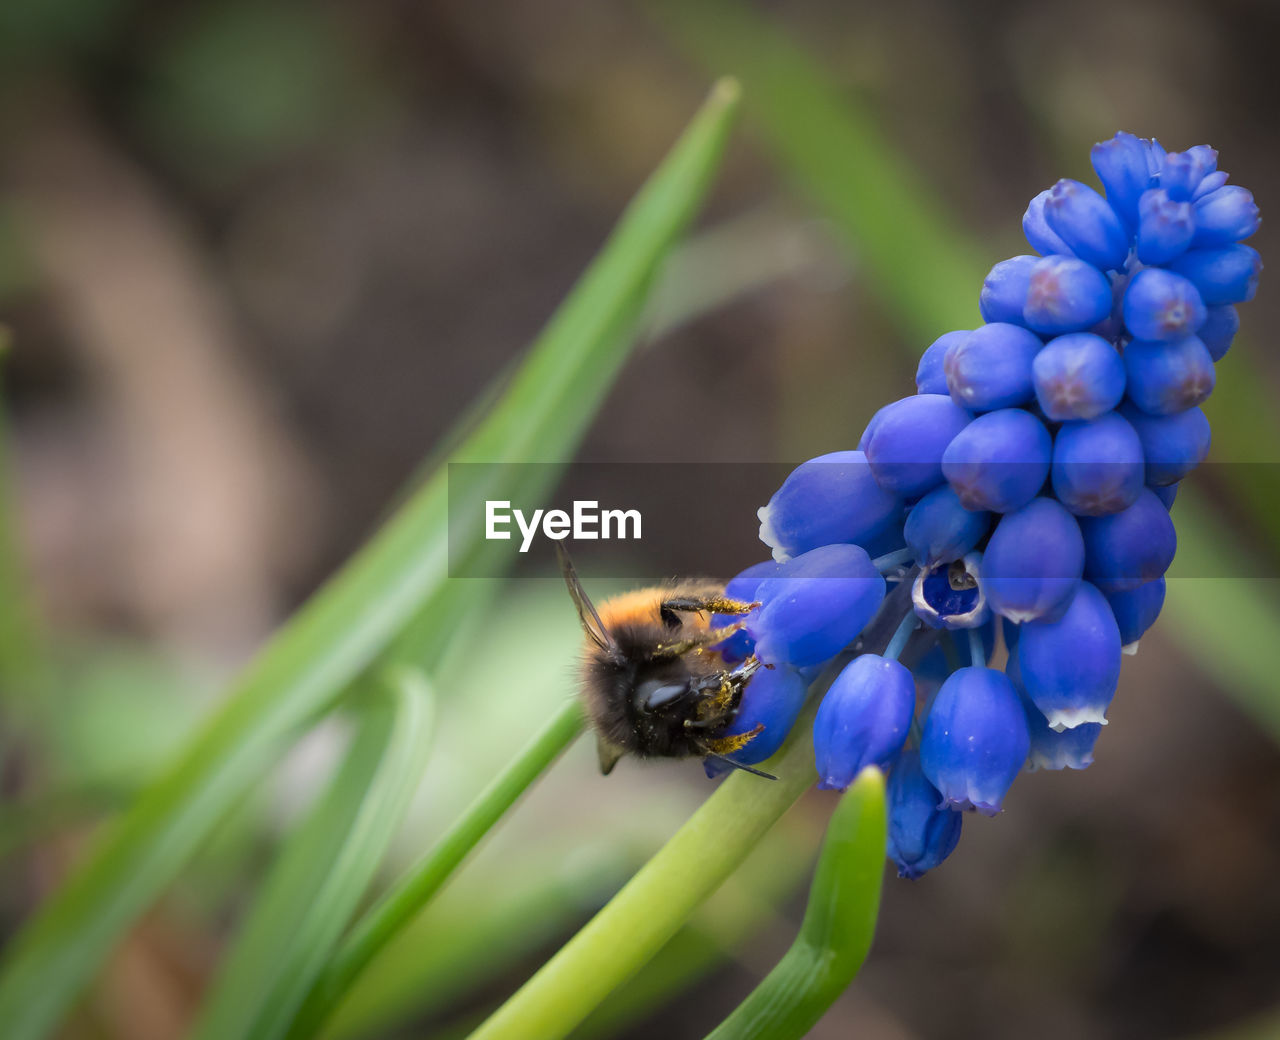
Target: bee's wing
{"points": [[591, 622]]}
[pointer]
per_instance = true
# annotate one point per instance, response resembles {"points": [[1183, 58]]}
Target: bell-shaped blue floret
{"points": [[975, 739], [1136, 611], [1165, 378], [992, 368], [1000, 461], [939, 529], [1004, 290], [1050, 748], [1225, 215], [863, 719], [1122, 167], [1219, 329], [833, 498], [920, 834], [1070, 667], [931, 374], [1173, 445], [1182, 173], [1078, 376], [1043, 240], [1090, 227], [1126, 549], [1165, 227], [950, 596], [742, 587], [1161, 305], [1098, 466], [1065, 294], [905, 447], [815, 606], [1225, 275], [1033, 562], [772, 700]]}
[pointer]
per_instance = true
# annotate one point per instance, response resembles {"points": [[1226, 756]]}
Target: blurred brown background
{"points": [[255, 258]]}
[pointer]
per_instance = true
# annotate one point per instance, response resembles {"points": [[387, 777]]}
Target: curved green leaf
{"points": [[839, 923], [401, 574], [325, 867]]}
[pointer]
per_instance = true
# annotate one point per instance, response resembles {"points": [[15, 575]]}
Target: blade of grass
{"points": [[919, 262], [402, 902], [838, 925], [344, 627], [650, 909], [325, 867]]}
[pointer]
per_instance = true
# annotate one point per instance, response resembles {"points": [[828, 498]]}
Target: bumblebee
{"points": [[653, 684]]}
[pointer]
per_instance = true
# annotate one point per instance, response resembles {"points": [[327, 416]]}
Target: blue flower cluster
{"points": [[1025, 487]]}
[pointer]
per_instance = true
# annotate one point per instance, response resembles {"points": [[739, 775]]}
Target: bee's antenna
{"points": [[586, 609], [738, 765]]}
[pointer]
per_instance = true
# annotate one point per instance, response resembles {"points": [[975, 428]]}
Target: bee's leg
{"points": [[705, 604], [719, 697], [710, 637], [738, 765]]}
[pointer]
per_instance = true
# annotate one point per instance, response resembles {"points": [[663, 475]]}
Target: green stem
{"points": [[652, 906], [403, 901], [839, 923]]}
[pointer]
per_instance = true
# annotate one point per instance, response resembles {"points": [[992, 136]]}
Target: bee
{"points": [[653, 684]]}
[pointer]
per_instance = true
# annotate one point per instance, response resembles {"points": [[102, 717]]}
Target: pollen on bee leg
{"points": [[728, 745]]}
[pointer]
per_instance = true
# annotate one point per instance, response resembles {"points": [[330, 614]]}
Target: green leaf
{"points": [[344, 628], [652, 906], [412, 892], [839, 923], [325, 867], [923, 266]]}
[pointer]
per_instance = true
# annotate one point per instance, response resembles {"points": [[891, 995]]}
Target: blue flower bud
{"points": [[1166, 493], [1000, 461], [869, 430], [1224, 216], [950, 596], [1164, 378], [1173, 445], [1051, 749], [1165, 227], [921, 835], [1182, 172], [863, 719], [742, 587], [833, 498], [772, 699], [905, 448], [1121, 166], [1065, 295], [1079, 376], [1136, 611], [1225, 275], [939, 529], [1070, 667], [1033, 562], [992, 367], [931, 376], [1082, 219], [1126, 549], [975, 739], [1210, 184], [1043, 240], [1160, 305], [1004, 291], [1218, 330], [1098, 466], [815, 605]]}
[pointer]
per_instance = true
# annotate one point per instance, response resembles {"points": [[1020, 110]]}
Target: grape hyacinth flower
{"points": [[1025, 488]]}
